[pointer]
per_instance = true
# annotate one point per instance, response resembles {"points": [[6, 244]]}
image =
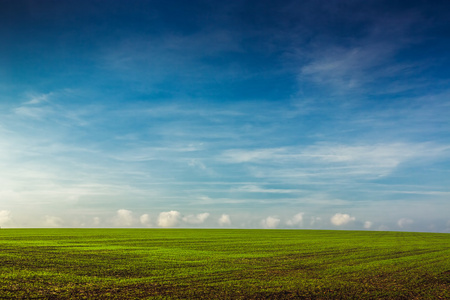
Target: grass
{"points": [[223, 264]]}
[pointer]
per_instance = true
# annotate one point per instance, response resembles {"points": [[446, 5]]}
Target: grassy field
{"points": [[223, 264]]}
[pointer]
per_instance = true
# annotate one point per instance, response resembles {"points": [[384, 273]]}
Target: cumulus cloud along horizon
{"points": [[169, 219], [5, 217], [224, 220], [296, 220], [175, 219], [124, 217], [196, 219], [341, 219], [270, 222], [368, 224], [145, 220], [256, 110]]}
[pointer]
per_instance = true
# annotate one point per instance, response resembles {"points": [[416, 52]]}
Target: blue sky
{"points": [[244, 114]]}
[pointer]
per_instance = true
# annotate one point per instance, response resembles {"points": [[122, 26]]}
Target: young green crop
{"points": [[217, 263]]}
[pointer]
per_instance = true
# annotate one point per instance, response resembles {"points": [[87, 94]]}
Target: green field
{"points": [[223, 264]]}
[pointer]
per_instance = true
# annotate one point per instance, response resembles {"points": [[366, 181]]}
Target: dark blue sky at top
{"points": [[262, 44]]}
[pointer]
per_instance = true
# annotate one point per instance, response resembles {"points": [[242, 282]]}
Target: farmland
{"points": [[222, 263]]}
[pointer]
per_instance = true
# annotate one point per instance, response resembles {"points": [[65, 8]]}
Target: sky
{"points": [[225, 114]]}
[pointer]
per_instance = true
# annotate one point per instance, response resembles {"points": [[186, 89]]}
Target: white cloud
{"points": [[5, 217], [404, 222], [270, 222], [346, 68], [34, 108], [36, 99], [52, 221], [240, 156], [196, 163], [368, 225], [31, 112], [124, 218], [376, 159], [224, 220], [341, 219], [364, 60], [258, 189], [169, 219], [145, 220], [296, 220], [196, 219], [372, 160]]}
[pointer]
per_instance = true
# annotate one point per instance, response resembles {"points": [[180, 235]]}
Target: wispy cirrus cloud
{"points": [[361, 63], [38, 99], [259, 189], [369, 160], [346, 68], [145, 153], [33, 112]]}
